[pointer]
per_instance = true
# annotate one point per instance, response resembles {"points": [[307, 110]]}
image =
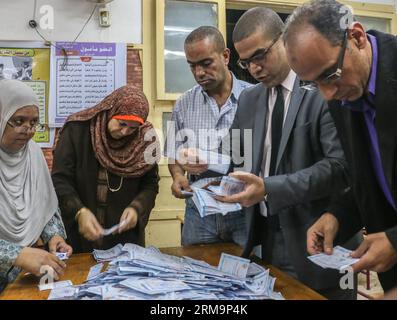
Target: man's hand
{"points": [[89, 226], [253, 193], [58, 244], [190, 161], [321, 235], [130, 218], [180, 182], [376, 253]]}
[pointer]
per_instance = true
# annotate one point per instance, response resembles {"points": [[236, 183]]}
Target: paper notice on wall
{"points": [[82, 75], [30, 62]]}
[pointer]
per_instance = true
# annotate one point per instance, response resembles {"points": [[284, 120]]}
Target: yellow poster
{"points": [[31, 65]]}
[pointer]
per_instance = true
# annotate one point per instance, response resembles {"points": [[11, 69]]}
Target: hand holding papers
{"points": [[109, 231], [340, 259], [253, 193], [206, 203]]}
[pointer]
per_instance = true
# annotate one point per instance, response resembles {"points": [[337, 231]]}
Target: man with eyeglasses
{"points": [[357, 72], [204, 113], [297, 157]]}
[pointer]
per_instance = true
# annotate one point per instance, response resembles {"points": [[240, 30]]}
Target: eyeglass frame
{"points": [[334, 76], [24, 129], [262, 55]]}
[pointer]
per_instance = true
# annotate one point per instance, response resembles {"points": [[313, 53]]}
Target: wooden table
{"points": [[25, 287]]}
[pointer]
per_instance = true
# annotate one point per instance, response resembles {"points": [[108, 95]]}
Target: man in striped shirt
{"points": [[203, 116]]}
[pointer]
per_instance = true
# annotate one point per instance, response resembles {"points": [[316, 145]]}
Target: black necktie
{"points": [[277, 130]]}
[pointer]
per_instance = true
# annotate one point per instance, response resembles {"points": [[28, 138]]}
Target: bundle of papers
{"points": [[146, 273], [204, 199], [228, 186], [207, 205], [339, 259]]}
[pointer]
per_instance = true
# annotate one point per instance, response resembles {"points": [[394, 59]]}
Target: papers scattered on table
{"points": [[61, 255], [95, 271], [108, 255], [340, 259], [236, 266], [63, 293], [55, 285], [145, 273]]}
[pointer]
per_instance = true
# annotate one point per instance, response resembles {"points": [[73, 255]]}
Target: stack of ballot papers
{"points": [[339, 259], [207, 205], [228, 186], [139, 273], [205, 202]]}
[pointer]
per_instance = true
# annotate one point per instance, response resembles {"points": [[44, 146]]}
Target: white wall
{"points": [[69, 18]]}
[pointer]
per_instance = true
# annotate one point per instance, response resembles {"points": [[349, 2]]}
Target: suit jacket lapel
{"points": [[386, 105], [259, 129], [296, 99]]}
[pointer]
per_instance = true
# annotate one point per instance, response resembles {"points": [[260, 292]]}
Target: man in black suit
{"points": [[356, 71], [297, 160]]}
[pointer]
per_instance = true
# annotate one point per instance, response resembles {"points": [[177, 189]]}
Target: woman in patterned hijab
{"points": [[108, 145]]}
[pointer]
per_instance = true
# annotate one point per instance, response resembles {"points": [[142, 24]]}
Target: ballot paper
{"points": [[95, 271], [109, 231], [62, 293], [207, 205], [228, 186], [139, 273], [233, 265], [108, 255], [55, 285], [61, 255], [339, 259], [187, 194]]}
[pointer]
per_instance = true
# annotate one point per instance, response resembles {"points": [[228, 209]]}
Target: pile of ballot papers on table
{"points": [[137, 273]]}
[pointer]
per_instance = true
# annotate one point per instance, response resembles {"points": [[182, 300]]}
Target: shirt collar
{"points": [[289, 81], [236, 89]]}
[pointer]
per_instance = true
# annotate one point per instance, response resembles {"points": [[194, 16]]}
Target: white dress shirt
{"points": [[287, 87]]}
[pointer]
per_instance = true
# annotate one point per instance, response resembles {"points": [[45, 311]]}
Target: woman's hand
{"points": [[89, 226], [32, 260], [128, 220], [58, 244]]}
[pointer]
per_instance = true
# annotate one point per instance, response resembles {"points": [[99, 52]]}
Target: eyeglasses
{"points": [[336, 70], [257, 57], [20, 128]]}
